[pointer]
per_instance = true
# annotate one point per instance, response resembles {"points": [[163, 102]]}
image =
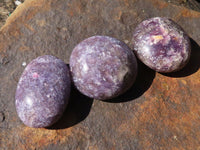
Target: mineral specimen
{"points": [[103, 67], [43, 91], [161, 44]]}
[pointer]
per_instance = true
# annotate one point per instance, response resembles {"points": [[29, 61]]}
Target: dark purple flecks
{"points": [[161, 44], [103, 67], [43, 91]]}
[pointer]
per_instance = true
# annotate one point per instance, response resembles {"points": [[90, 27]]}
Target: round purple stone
{"points": [[161, 44], [43, 91], [103, 67]]}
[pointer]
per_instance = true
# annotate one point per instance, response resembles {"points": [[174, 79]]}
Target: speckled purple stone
{"points": [[43, 91], [103, 67], [161, 44]]}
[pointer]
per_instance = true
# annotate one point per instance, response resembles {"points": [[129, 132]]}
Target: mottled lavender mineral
{"points": [[43, 91], [103, 67], [161, 44]]}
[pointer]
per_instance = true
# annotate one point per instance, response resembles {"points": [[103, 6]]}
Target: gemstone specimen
{"points": [[103, 67], [161, 44], [43, 91]]}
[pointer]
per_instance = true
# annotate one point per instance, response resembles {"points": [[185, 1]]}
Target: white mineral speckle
{"points": [[85, 67], [146, 51], [28, 101], [17, 2], [126, 41], [24, 64]]}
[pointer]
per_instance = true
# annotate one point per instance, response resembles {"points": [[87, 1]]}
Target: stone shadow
{"points": [[193, 64], [142, 83], [77, 110]]}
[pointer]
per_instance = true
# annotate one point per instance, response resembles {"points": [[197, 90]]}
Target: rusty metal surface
{"points": [[191, 4], [159, 112]]}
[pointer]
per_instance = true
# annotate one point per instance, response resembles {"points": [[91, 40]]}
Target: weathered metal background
{"points": [[159, 112], [191, 4]]}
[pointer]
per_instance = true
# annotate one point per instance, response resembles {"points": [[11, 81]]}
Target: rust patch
{"points": [[171, 115], [14, 31], [41, 137], [22, 10], [29, 27], [2, 45], [184, 12], [126, 2], [189, 13], [41, 23], [24, 48], [75, 8], [118, 13], [30, 14], [93, 147], [159, 4]]}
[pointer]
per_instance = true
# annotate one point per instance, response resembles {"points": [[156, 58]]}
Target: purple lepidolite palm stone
{"points": [[43, 91], [161, 44], [103, 67]]}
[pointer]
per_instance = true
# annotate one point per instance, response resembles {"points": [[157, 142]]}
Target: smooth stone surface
{"points": [[103, 67], [161, 44], [43, 91]]}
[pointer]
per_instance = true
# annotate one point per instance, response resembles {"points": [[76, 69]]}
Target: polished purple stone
{"points": [[43, 91], [103, 67], [161, 44]]}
